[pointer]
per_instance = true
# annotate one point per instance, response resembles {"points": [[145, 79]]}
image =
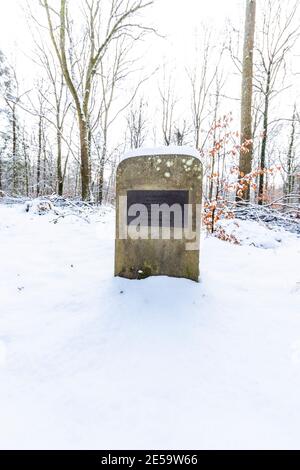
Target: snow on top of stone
{"points": [[166, 150]]}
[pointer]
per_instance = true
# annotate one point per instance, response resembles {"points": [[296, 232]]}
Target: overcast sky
{"points": [[177, 20]]}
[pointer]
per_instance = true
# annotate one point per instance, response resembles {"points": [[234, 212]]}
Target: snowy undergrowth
{"points": [[92, 361], [247, 232]]}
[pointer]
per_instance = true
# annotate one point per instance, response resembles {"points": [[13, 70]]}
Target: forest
{"points": [[93, 97]]}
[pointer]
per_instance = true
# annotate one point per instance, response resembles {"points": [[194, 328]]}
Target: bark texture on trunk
{"points": [[38, 167], [84, 157], [14, 148], [245, 160], [264, 141], [290, 157], [60, 182]]}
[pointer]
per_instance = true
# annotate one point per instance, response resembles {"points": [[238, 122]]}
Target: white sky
{"points": [[177, 20]]}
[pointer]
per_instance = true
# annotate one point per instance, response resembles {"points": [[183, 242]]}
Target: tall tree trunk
{"points": [[119, 23], [245, 160], [44, 169], [26, 168], [101, 170], [264, 141], [101, 181], [102, 161], [38, 168], [14, 147], [0, 172], [211, 183], [84, 156], [290, 157], [60, 182], [77, 174]]}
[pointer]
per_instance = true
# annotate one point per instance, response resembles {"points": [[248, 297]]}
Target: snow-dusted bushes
{"points": [[39, 206], [247, 232]]}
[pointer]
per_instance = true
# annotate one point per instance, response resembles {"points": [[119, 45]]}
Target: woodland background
{"points": [[96, 95]]}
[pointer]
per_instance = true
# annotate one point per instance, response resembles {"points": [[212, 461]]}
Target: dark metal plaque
{"points": [[153, 197]]}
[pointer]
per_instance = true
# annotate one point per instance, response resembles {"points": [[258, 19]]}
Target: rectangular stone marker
{"points": [[158, 210]]}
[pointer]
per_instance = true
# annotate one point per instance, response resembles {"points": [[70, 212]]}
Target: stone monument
{"points": [[158, 210]]}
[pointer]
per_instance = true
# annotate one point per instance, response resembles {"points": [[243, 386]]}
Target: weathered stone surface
{"points": [[139, 258]]}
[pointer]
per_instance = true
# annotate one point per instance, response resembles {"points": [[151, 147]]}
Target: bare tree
{"points": [[3, 148], [280, 32], [13, 98], [181, 132], [113, 71], [40, 112], [174, 129], [80, 69], [218, 86], [25, 148], [59, 108], [201, 79], [136, 124], [168, 103], [291, 164]]}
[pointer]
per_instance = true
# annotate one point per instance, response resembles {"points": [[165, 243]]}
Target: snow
{"points": [[92, 361], [254, 234], [165, 150]]}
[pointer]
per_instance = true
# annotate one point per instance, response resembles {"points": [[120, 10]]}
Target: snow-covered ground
{"points": [[92, 361]]}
